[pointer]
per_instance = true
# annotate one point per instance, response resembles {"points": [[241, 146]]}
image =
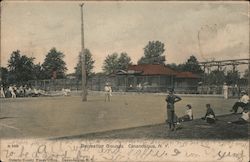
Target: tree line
{"points": [[21, 68]]}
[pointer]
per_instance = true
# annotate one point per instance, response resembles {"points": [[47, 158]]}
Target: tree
{"points": [[153, 53], [115, 62], [39, 72], [246, 74], [110, 64], [124, 61], [4, 75], [89, 62], [192, 65], [173, 66], [54, 66], [216, 77], [21, 68], [232, 77]]}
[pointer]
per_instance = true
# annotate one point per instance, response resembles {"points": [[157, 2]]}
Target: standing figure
{"points": [[21, 91], [12, 92], [139, 88], [243, 102], [225, 91], [108, 92], [2, 94], [210, 115], [171, 99]]}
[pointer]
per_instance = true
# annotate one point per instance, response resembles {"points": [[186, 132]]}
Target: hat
{"points": [[208, 105], [171, 90]]}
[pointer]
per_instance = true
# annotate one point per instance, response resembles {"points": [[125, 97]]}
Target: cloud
{"points": [[228, 41], [126, 27]]}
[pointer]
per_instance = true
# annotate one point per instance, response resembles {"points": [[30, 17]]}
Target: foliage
{"points": [[216, 77], [89, 62], [4, 75], [124, 61], [39, 72], [232, 77], [246, 74], [153, 53], [192, 65], [110, 64], [21, 68], [173, 66], [54, 64], [114, 62]]}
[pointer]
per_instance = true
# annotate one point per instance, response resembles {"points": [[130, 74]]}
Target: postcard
{"points": [[124, 81]]}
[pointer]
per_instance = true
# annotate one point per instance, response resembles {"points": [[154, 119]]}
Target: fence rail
{"points": [[98, 85]]}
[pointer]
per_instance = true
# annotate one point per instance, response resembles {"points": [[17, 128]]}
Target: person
{"points": [[15, 90], [108, 92], [21, 91], [171, 99], [243, 102], [235, 90], [139, 87], [13, 95], [2, 94], [210, 115], [243, 119], [25, 88], [66, 92], [225, 91], [189, 114]]}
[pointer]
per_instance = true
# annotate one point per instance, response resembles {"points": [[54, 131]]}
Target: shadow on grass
{"points": [[193, 130]]}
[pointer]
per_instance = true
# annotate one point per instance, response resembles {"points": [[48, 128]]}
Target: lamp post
{"points": [[84, 90]]}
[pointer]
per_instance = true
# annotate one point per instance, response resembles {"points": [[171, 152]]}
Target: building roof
{"points": [[187, 74], [152, 69]]}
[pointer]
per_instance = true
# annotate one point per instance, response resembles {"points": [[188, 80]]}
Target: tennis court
{"points": [[50, 117]]}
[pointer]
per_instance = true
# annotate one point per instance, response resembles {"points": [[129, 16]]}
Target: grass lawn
{"points": [[68, 116]]}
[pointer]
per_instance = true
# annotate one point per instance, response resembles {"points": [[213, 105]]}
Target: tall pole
{"points": [[248, 86], [0, 44], [84, 90], [249, 75]]}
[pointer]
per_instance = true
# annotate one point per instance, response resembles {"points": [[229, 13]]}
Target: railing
{"points": [[98, 85]]}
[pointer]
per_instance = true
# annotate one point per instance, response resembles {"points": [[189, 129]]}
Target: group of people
{"points": [[209, 117], [13, 91], [228, 90]]}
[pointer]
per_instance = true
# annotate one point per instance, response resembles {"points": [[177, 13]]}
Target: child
{"points": [[210, 115], [171, 99], [189, 114]]}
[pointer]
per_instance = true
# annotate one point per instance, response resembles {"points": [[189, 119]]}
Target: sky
{"points": [[207, 30]]}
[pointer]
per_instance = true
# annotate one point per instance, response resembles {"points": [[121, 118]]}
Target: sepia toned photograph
{"points": [[124, 81]]}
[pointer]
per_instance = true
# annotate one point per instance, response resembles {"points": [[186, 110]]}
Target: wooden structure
{"points": [[186, 82], [151, 78]]}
